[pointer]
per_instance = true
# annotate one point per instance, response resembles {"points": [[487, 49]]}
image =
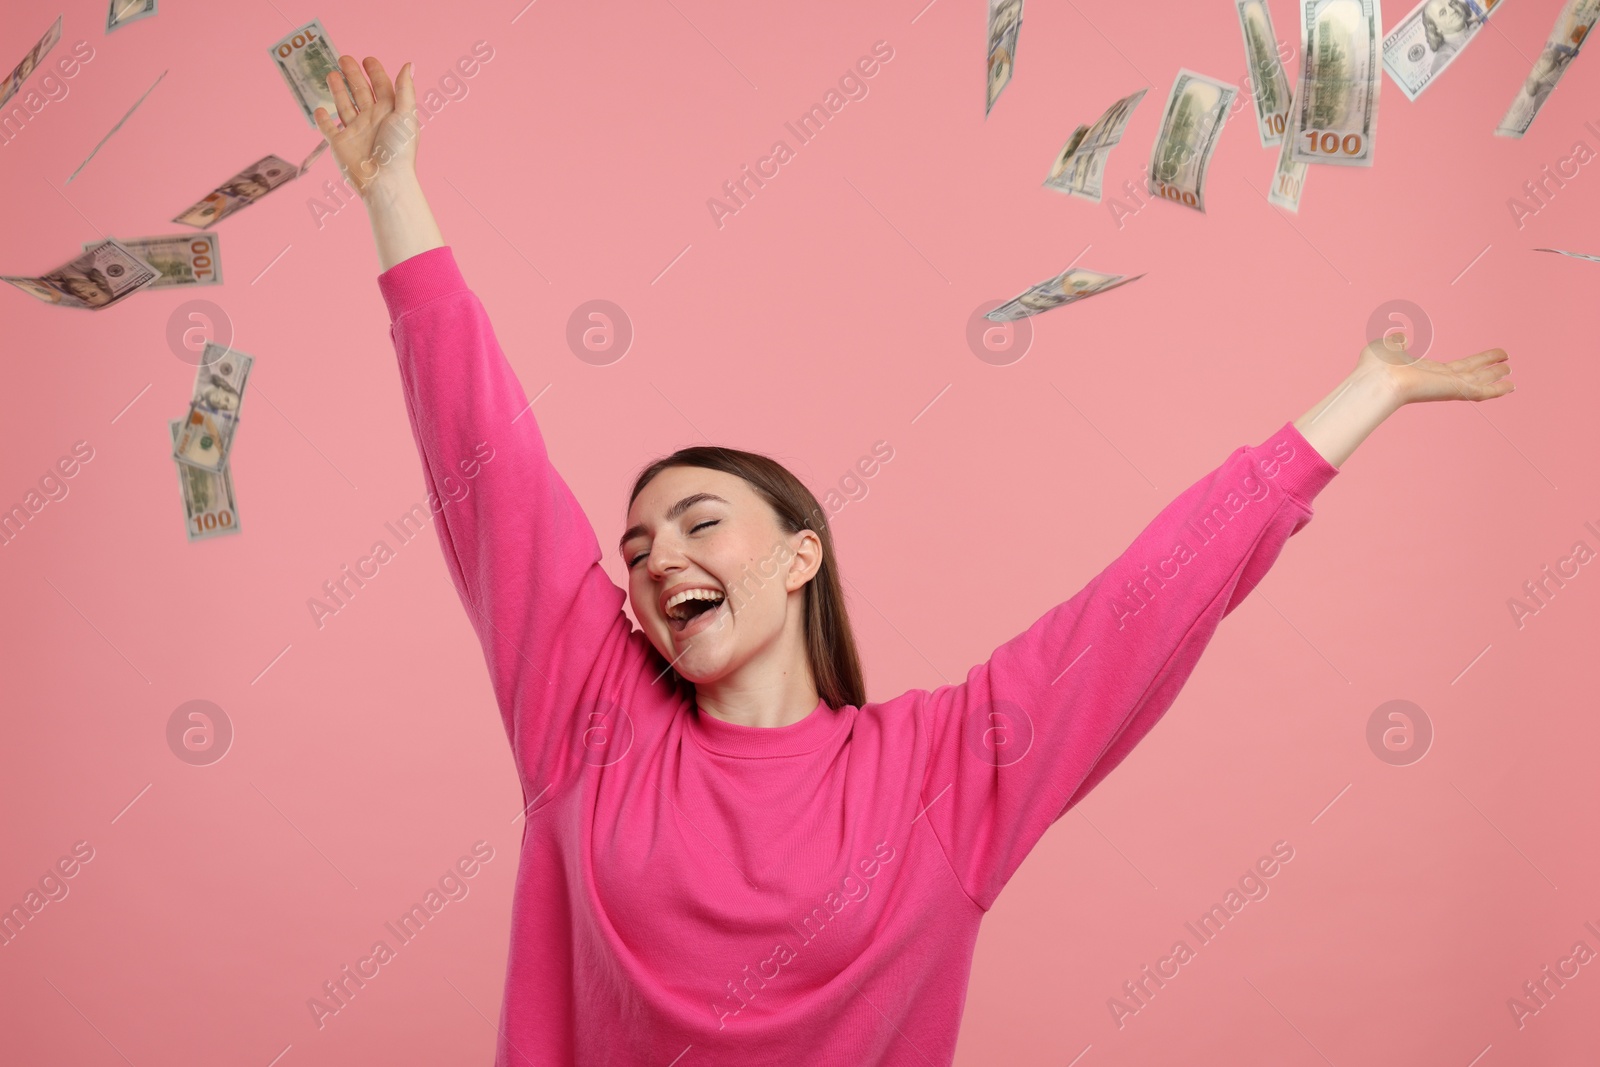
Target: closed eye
{"points": [[697, 527]]}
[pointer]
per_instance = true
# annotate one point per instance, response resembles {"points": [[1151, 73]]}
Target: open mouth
{"points": [[696, 611]]}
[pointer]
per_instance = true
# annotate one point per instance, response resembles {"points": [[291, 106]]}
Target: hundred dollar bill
{"points": [[1070, 285], [1005, 20], [105, 273], [180, 258], [1429, 38], [1197, 108], [1572, 28], [239, 192], [207, 432], [1336, 117], [305, 58], [1290, 177], [1268, 82], [123, 12], [305, 165], [30, 62], [1078, 169], [207, 497], [1574, 255]]}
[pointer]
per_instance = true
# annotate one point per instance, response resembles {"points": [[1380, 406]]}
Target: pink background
{"points": [[823, 317]]}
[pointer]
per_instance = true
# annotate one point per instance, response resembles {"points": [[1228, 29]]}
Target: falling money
{"points": [[239, 192], [1429, 39], [123, 12], [180, 258], [1195, 113], [207, 431], [1571, 30], [1337, 111], [1070, 285], [1082, 163], [1267, 80], [105, 273], [207, 497], [1005, 20], [305, 58], [1290, 177]]}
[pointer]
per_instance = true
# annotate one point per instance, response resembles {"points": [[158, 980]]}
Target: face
{"points": [[1450, 16], [250, 188], [85, 289], [732, 545]]}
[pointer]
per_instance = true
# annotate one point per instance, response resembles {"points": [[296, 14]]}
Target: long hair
{"points": [[830, 643]]}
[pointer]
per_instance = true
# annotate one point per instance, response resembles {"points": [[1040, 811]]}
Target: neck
{"points": [[774, 688]]}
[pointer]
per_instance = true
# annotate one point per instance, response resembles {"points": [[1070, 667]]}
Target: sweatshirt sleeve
{"points": [[1056, 708], [519, 548]]}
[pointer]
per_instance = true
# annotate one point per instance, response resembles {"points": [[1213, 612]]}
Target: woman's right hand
{"points": [[376, 143]]}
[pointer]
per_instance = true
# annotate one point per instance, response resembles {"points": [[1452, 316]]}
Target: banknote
{"points": [[123, 12], [1574, 255], [181, 258], [103, 274], [30, 62], [1197, 108], [208, 507], [1005, 20], [1268, 82], [322, 146], [239, 192], [1072, 284], [1077, 171], [1290, 177], [1336, 118], [1572, 28], [115, 128], [305, 58], [1429, 38], [207, 431]]}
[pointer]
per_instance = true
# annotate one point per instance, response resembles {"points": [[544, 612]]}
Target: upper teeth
{"points": [[691, 594]]}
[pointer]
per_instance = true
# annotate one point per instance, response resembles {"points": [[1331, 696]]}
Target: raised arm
{"points": [[1056, 708], [521, 552]]}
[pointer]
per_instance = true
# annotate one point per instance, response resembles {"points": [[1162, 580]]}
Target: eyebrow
{"points": [[637, 529]]}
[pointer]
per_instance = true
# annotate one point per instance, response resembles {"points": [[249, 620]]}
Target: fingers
{"points": [[341, 99], [324, 123], [405, 100], [382, 89], [358, 82]]}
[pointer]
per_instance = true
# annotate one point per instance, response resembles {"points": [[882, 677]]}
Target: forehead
{"points": [[675, 483]]}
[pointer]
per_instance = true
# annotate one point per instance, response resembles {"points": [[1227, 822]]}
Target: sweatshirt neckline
{"points": [[733, 739]]}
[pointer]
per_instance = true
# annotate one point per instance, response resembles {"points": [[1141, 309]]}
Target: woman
{"points": [[729, 854]]}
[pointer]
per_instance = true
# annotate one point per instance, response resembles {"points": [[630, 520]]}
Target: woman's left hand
{"points": [[1416, 380]]}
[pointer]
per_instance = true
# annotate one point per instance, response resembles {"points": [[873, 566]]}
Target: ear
{"points": [[805, 559]]}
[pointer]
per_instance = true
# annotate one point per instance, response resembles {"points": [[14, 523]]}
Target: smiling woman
{"points": [[757, 780]]}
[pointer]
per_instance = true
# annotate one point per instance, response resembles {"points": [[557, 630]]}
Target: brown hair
{"points": [[830, 643]]}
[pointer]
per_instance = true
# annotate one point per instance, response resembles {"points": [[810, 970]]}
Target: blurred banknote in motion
{"points": [[305, 58], [1197, 107], [30, 62], [180, 258], [1290, 177], [1337, 114], [1082, 163], [1070, 285], [1429, 38], [105, 273], [1572, 28], [1005, 20], [239, 192], [207, 432], [207, 497], [123, 12], [1574, 255], [1268, 82]]}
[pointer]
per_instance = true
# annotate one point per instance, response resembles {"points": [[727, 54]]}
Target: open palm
{"points": [[378, 132], [1477, 377]]}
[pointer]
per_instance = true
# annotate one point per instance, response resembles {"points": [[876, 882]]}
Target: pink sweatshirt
{"points": [[694, 892]]}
